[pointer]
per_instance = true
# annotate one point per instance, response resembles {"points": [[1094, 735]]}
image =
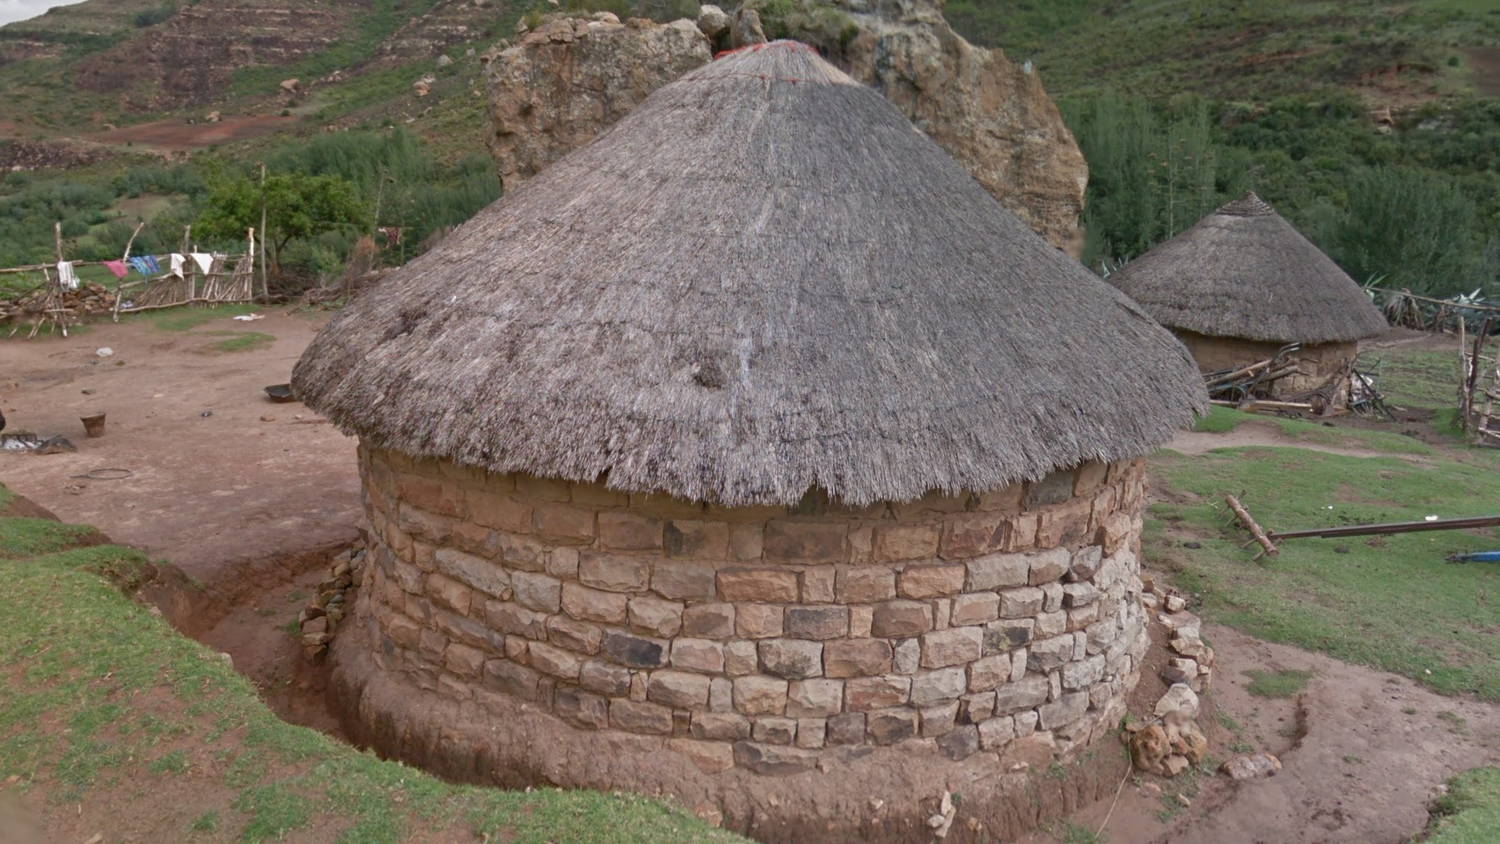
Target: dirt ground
{"points": [[252, 509], [178, 135], [215, 490]]}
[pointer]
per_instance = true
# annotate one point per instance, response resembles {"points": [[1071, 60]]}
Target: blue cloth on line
{"points": [[145, 265]]}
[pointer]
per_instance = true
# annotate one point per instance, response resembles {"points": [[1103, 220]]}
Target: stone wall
{"points": [[762, 637], [1315, 363]]}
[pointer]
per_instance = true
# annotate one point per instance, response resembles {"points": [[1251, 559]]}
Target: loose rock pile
{"points": [[1173, 742], [321, 618], [90, 298]]}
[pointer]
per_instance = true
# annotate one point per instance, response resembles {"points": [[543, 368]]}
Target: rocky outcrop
{"points": [[570, 78]]}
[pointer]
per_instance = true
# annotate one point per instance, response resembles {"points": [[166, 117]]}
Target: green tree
{"points": [[297, 207]]}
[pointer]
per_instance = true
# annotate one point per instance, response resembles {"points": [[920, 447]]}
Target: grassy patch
{"points": [[1391, 602], [1470, 812], [239, 341], [101, 696], [1277, 684], [189, 317], [1412, 378], [29, 537], [1220, 420]]}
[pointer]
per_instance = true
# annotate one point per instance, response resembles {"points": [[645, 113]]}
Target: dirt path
{"points": [[215, 494], [1258, 433]]}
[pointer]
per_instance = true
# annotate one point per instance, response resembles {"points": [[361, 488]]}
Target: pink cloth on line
{"points": [[116, 267]]}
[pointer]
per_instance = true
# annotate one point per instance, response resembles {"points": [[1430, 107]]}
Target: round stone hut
{"points": [[750, 443], [1242, 284]]}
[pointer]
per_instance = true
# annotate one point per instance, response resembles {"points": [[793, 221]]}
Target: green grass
{"points": [[1277, 684], [240, 341], [1410, 378], [1223, 420], [1392, 602], [1220, 420], [189, 317], [101, 696], [1072, 833], [1470, 812]]}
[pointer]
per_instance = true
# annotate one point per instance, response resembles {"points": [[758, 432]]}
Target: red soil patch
{"points": [[177, 135], [1486, 64]]}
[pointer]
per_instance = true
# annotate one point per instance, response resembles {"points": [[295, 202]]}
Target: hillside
{"points": [[1300, 100]]}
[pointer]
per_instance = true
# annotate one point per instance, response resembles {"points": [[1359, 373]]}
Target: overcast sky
{"points": [[19, 10]]}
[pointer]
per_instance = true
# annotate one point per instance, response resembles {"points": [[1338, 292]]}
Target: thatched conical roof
{"points": [[761, 280], [1244, 272]]}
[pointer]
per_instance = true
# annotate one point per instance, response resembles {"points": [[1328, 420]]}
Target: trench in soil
{"points": [[255, 621]]}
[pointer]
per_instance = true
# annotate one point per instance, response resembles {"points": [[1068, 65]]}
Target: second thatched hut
{"points": [[1242, 283]]}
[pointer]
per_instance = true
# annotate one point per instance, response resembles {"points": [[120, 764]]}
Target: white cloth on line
{"points": [[177, 265], [204, 261], [65, 275]]}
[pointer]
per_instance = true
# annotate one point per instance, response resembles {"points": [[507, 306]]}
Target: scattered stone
{"points": [[444, 61], [1149, 749], [268, 418], [1252, 766], [713, 21], [1175, 603], [941, 822], [1179, 698], [1176, 764]]}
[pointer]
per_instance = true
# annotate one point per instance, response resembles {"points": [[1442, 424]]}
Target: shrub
{"points": [[152, 17]]}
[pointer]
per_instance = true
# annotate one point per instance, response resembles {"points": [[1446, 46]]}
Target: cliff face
{"points": [[566, 81]]}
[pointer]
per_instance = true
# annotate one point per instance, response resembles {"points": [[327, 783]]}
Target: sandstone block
{"points": [[563, 522], [848, 728], [612, 572], [818, 585], [1051, 624], [640, 717], [562, 562], [819, 622], [811, 733], [989, 673], [956, 646], [698, 655], [634, 651], [856, 658], [935, 581], [587, 604], [995, 733], [791, 658], [1064, 524], [475, 572], [1066, 710], [745, 541], [694, 539], [463, 660], [866, 693], [814, 698], [760, 695], [721, 694], [447, 592], [1086, 562], [771, 760], [599, 676], [622, 530], [574, 635], [940, 686], [975, 708], [1027, 693], [403, 631], [1004, 635], [498, 511], [512, 679], [899, 619], [721, 726], [865, 585], [774, 730], [741, 658], [515, 620], [758, 621], [906, 655], [998, 571], [1049, 566], [1082, 674], [1021, 602], [1052, 596], [861, 619], [905, 542], [708, 621], [758, 584], [537, 591], [939, 720], [523, 553], [655, 616], [678, 689], [975, 608], [581, 708], [555, 661], [684, 580], [1048, 655], [888, 726], [805, 542], [972, 534]]}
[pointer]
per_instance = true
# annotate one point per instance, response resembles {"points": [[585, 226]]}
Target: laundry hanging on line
{"points": [[145, 265], [204, 261], [117, 267], [65, 275], [177, 264]]}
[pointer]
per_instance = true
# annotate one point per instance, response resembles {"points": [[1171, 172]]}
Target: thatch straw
{"points": [[1244, 272], [761, 280]]}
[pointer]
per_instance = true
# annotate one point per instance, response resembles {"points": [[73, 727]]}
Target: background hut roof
{"points": [[761, 280], [1244, 272]]}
